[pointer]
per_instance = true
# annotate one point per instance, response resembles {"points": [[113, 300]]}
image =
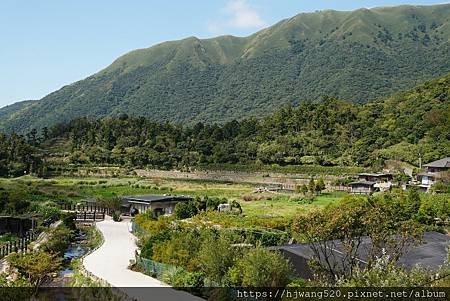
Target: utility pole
{"points": [[420, 160]]}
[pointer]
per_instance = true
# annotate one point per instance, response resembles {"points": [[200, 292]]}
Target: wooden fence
{"points": [[90, 216], [18, 245], [86, 208]]}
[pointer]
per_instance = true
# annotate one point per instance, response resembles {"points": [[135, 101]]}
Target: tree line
{"points": [[329, 132]]}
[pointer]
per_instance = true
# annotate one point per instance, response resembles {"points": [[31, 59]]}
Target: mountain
{"points": [[329, 133], [359, 56]]}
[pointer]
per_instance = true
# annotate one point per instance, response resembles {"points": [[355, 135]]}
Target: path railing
{"points": [[86, 208], [90, 216], [18, 245]]}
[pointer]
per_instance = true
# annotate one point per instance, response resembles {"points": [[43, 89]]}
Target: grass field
{"points": [[265, 205], [287, 205]]}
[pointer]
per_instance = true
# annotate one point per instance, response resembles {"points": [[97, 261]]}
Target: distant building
{"points": [[363, 187], [375, 177], [433, 173], [159, 204], [430, 254], [371, 182]]}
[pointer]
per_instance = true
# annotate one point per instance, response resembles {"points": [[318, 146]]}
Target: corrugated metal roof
{"points": [[445, 162], [156, 198]]}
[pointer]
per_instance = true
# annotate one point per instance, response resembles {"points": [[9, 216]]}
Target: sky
{"points": [[46, 44]]}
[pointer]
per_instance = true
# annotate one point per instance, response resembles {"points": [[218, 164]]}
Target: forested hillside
{"points": [[357, 56], [328, 132]]}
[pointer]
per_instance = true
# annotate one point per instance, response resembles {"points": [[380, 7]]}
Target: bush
{"points": [[386, 274], [59, 240], [116, 216], [216, 257], [180, 250], [261, 268], [185, 210], [35, 266], [179, 277]]}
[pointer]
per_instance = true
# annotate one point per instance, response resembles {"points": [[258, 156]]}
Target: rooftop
{"points": [[442, 163], [430, 254], [366, 183], [155, 198], [368, 174]]}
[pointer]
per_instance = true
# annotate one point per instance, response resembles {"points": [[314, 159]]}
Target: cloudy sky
{"points": [[46, 44]]}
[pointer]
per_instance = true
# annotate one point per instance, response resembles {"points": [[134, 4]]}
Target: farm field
{"points": [[275, 204]]}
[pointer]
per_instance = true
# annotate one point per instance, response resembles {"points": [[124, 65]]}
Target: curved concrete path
{"points": [[110, 263]]}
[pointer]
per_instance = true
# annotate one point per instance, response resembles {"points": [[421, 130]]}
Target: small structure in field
{"points": [[159, 204], [224, 207]]}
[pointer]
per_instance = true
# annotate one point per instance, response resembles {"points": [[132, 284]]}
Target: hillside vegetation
{"points": [[357, 56], [328, 133]]}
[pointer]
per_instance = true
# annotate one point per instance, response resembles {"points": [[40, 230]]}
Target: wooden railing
{"points": [[18, 245], [90, 216], [85, 208]]}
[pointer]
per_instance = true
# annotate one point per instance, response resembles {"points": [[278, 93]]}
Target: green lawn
{"points": [[287, 205]]}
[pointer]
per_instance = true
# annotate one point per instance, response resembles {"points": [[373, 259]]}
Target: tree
{"points": [[320, 185], [35, 266], [216, 257], [345, 227], [311, 185], [260, 267], [304, 189]]}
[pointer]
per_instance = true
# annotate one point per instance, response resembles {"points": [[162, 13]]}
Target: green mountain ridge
{"points": [[329, 133], [360, 56]]}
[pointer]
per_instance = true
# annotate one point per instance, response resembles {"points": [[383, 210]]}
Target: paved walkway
{"points": [[110, 263]]}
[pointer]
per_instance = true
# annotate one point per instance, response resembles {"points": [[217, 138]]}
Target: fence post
{"points": [[84, 215], [94, 216]]}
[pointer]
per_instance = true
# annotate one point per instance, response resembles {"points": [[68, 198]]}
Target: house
{"points": [[430, 254], [371, 182], [433, 173], [383, 181], [375, 177], [159, 204], [363, 187]]}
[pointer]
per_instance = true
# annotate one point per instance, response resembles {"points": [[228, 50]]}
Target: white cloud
{"points": [[243, 15], [240, 15]]}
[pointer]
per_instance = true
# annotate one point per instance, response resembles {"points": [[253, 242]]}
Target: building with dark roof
{"points": [[159, 204], [438, 165], [433, 173], [430, 254], [375, 177], [362, 187]]}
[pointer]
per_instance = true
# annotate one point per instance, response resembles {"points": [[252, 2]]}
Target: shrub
{"points": [[181, 278], [59, 240], [386, 274], [216, 257], [116, 216], [180, 250], [261, 268], [185, 210], [35, 266]]}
